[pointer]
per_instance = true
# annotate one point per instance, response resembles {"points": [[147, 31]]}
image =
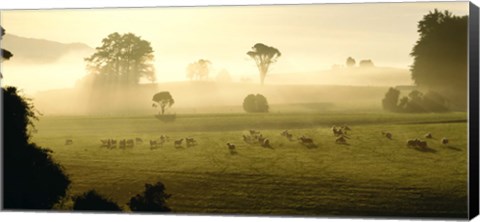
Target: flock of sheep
{"points": [[255, 137]]}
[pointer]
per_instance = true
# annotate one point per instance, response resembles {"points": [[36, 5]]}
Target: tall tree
{"points": [[440, 56], [264, 56], [122, 60], [198, 70]]}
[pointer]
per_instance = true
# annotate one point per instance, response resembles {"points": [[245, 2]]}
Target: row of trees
{"points": [[439, 67], [122, 60], [363, 63], [415, 102]]}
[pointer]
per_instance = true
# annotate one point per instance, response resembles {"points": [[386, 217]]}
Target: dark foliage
{"points": [[153, 199], [440, 56], [350, 62], [390, 101], [366, 63], [92, 201], [416, 102], [31, 179], [255, 104]]}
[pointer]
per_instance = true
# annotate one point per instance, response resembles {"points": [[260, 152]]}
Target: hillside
{"points": [[40, 51]]}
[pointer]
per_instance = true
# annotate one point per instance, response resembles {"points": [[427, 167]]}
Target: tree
{"points": [[390, 101], [440, 56], [92, 201], [198, 70], [122, 60], [6, 55], [164, 100], [153, 199], [350, 62], [255, 104], [31, 179], [366, 63], [263, 56]]}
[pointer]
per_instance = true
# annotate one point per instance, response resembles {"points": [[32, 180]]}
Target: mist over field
{"points": [[309, 110]]}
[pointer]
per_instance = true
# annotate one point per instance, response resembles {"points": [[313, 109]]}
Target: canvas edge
{"points": [[473, 48]]}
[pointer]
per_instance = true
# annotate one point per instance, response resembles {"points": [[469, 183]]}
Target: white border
{"points": [[63, 217]]}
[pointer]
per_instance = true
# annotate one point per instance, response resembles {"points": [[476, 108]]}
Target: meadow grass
{"points": [[369, 176]]}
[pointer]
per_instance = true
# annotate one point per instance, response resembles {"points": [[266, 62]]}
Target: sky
{"points": [[310, 37]]}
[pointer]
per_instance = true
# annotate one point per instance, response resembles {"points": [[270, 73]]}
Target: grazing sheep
{"points": [[387, 134], [422, 144], [130, 143], [190, 142], [153, 144], [266, 143], [105, 143], [246, 139], [341, 140], [346, 128], [412, 142], [444, 141], [428, 135], [138, 140], [305, 140], [122, 143], [286, 134], [178, 143], [68, 142], [231, 147]]}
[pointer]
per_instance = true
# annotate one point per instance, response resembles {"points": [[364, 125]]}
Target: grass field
{"points": [[371, 176]]}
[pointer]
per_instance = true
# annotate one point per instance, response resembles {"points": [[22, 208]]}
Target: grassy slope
{"points": [[370, 176]]}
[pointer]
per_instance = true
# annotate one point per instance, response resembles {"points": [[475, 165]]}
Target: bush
{"points": [[416, 102], [255, 104], [153, 199], [92, 201], [31, 179], [390, 101]]}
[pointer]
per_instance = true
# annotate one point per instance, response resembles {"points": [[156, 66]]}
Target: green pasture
{"points": [[369, 176]]}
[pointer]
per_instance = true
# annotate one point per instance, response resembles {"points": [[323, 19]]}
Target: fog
{"points": [[312, 39]]}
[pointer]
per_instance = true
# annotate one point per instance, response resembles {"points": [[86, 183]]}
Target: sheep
{"points": [[246, 138], [387, 134], [113, 143], [130, 143], [138, 140], [341, 140], [428, 136], [105, 143], [253, 132], [68, 142], [232, 149], [422, 144], [412, 142], [122, 143], [266, 143], [190, 142], [178, 143], [444, 141], [153, 144], [305, 140], [286, 134]]}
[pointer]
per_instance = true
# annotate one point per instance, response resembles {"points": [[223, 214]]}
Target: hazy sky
{"points": [[311, 38]]}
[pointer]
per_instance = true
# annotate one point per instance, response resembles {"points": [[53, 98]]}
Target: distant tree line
{"points": [[415, 102]]}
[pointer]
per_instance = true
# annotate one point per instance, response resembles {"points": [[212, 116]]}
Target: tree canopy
{"points": [[255, 104], [31, 178], [440, 56], [350, 62], [153, 199], [92, 201], [164, 100], [121, 60], [198, 70], [264, 56]]}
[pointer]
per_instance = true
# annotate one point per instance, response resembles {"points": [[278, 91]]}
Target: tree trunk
{"points": [[262, 78]]}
